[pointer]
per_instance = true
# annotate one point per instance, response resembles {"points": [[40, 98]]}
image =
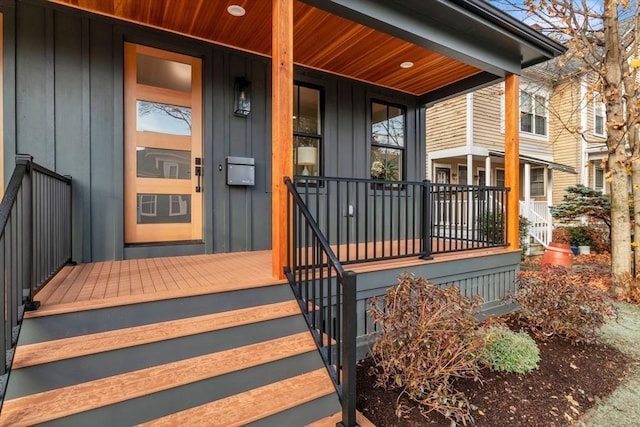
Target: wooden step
{"points": [[67, 348], [253, 405], [58, 403]]}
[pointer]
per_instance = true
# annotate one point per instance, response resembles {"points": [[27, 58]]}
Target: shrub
{"points": [[428, 337], [560, 235], [509, 351], [556, 301], [492, 227], [580, 235]]}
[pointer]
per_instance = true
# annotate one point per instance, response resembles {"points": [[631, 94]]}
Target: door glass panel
{"points": [[161, 163], [164, 208], [163, 118], [163, 73]]}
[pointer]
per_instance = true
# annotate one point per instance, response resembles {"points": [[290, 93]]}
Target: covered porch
{"points": [[190, 351]]}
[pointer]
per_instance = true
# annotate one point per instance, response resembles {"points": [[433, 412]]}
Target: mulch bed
{"points": [[568, 382]]}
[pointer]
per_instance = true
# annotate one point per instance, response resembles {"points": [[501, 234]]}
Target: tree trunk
{"points": [[620, 221]]}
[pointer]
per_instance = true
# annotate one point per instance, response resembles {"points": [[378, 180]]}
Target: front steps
{"points": [[242, 357]]}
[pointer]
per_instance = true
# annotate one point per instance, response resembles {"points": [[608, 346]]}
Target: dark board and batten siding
{"points": [[68, 111]]}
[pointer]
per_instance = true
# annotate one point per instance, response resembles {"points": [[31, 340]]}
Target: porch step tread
{"points": [[65, 401], [115, 301], [334, 419], [67, 348], [255, 404]]}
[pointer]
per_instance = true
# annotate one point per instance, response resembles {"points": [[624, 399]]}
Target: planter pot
{"points": [[575, 250], [584, 250], [557, 254]]}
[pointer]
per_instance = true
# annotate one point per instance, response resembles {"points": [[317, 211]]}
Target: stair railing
{"points": [[327, 297], [35, 242]]}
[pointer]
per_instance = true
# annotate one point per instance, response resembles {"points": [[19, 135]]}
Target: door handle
{"points": [[198, 172]]}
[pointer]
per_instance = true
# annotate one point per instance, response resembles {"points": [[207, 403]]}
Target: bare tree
{"points": [[601, 38]]}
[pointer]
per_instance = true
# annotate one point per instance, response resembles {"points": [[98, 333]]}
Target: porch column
{"points": [[512, 154], [547, 212], [469, 169], [281, 127], [527, 185], [487, 171]]}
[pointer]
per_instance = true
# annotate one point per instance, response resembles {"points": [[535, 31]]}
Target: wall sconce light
{"points": [[242, 97]]}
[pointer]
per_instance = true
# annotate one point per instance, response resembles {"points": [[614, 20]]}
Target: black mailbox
{"points": [[241, 170]]}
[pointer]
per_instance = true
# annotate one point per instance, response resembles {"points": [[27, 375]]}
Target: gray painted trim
{"points": [[461, 87], [155, 251], [9, 149]]}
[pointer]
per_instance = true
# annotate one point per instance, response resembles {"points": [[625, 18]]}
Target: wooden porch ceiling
{"points": [[322, 40]]}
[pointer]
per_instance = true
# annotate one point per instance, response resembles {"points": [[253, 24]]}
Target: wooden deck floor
{"points": [[103, 284]]}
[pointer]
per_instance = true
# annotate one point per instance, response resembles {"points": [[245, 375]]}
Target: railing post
{"points": [[26, 287], [349, 332], [427, 243]]}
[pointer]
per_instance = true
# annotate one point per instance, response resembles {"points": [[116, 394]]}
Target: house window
{"points": [[387, 141], [537, 182], [443, 175], [307, 130], [533, 114], [598, 178], [462, 175], [499, 177], [598, 116]]}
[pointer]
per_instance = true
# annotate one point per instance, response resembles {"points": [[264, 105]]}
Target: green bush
{"points": [[557, 301], [509, 351], [428, 337], [580, 235], [492, 227]]}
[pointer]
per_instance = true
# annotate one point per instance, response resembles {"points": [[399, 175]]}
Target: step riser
{"points": [[153, 406], [63, 373], [301, 415], [94, 321]]}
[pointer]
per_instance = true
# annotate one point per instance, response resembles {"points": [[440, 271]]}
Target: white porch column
{"points": [[469, 169], [549, 204], [527, 185], [429, 167], [487, 171]]}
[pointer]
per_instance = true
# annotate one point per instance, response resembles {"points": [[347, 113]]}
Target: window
{"points": [[598, 115], [442, 175], [462, 175], [499, 177], [537, 182], [307, 130], [598, 178], [387, 142], [533, 114]]}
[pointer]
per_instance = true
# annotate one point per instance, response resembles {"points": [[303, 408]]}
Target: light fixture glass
{"points": [[407, 64], [242, 97], [236, 10]]}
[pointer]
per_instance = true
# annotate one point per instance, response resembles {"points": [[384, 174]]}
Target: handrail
{"points": [[35, 241], [326, 294]]}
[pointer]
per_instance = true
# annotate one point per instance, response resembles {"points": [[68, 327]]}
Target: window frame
{"points": [[318, 137], [534, 103], [402, 149], [495, 177], [596, 169], [599, 105], [543, 182]]}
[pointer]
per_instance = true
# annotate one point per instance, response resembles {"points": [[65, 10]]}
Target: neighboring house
{"points": [[178, 122], [465, 146]]}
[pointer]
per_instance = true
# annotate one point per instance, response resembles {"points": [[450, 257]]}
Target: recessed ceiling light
{"points": [[236, 10], [407, 64]]}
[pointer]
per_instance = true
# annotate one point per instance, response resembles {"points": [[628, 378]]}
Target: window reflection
{"points": [[161, 163], [163, 118], [164, 208]]}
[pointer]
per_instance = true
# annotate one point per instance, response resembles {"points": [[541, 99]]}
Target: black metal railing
{"points": [[370, 220], [327, 297], [465, 217], [35, 240]]}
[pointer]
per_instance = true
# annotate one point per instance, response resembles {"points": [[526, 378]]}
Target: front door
{"points": [[163, 146]]}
